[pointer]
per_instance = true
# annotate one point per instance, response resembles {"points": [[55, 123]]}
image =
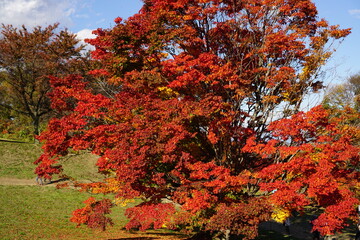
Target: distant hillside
{"points": [[17, 158]]}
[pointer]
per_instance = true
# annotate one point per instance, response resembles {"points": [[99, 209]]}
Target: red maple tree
{"points": [[199, 126]]}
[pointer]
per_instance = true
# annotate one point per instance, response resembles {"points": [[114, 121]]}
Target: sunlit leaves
{"points": [[93, 214], [316, 164], [147, 216]]}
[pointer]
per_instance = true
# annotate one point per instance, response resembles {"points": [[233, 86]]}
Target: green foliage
{"points": [[344, 95], [17, 128]]}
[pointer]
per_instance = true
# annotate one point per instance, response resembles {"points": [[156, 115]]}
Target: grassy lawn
{"points": [[17, 159], [35, 212], [17, 162], [43, 212], [32, 212]]}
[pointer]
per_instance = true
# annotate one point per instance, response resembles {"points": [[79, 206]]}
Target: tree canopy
{"points": [[203, 124], [344, 95], [27, 59]]}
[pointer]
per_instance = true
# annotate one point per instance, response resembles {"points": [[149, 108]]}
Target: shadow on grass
{"points": [[43, 182], [14, 141], [135, 238], [154, 236], [267, 235], [59, 180]]}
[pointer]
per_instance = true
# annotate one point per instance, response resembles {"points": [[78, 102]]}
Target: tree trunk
{"points": [[36, 126]]}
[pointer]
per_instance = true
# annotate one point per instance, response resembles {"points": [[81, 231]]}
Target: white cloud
{"points": [[355, 12], [36, 12], [84, 34]]}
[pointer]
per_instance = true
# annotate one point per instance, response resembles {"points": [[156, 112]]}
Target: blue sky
{"points": [[346, 13], [82, 16]]}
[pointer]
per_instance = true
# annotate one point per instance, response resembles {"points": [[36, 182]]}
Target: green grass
{"points": [[17, 159], [34, 212], [81, 166], [43, 212]]}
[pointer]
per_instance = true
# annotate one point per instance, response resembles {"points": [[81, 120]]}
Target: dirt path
{"points": [[16, 181], [6, 181]]}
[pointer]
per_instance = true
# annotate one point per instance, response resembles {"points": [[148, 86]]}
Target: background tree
{"points": [[197, 87], [344, 95], [27, 59]]}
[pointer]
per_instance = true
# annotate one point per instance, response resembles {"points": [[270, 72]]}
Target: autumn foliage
{"points": [[27, 58], [204, 125], [93, 214]]}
